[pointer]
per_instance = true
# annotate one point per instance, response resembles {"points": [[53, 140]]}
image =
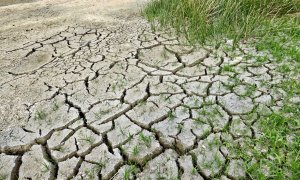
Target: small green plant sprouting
{"points": [[208, 102], [194, 171], [114, 87], [130, 136], [146, 139], [99, 165], [202, 112], [216, 111], [214, 143], [207, 165], [60, 148], [3, 176], [196, 102], [40, 115], [129, 171], [90, 174], [185, 109], [171, 115], [250, 89], [55, 106], [45, 167], [136, 150], [228, 68], [261, 60], [179, 126], [229, 87], [121, 130], [199, 120], [142, 102], [218, 160]]}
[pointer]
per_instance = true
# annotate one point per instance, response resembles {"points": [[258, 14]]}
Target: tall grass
{"points": [[204, 19]]}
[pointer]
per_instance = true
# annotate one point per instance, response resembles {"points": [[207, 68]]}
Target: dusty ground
{"points": [[10, 2], [88, 91]]}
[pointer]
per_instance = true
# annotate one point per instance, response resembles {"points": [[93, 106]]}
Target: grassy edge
{"points": [[280, 130]]}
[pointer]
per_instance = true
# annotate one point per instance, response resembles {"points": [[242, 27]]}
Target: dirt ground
{"points": [[89, 91], [28, 22], [10, 2]]}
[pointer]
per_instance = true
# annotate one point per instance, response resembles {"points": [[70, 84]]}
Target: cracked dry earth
{"points": [[89, 102]]}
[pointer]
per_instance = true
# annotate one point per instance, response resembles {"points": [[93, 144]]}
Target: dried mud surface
{"points": [[82, 100]]}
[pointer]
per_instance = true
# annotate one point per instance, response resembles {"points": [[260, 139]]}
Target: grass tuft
{"points": [[200, 20]]}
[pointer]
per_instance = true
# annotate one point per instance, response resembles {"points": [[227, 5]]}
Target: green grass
{"points": [[200, 20], [280, 131], [268, 26], [228, 68], [282, 143], [282, 42]]}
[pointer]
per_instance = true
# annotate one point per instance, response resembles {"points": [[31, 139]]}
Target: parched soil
{"points": [[10, 2], [88, 91]]}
